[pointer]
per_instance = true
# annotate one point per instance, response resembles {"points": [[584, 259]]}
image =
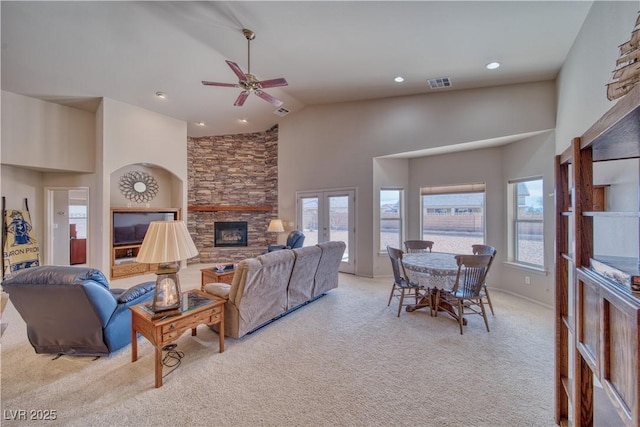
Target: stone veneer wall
{"points": [[233, 170]]}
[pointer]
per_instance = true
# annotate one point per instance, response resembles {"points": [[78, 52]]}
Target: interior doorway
{"points": [[67, 226]]}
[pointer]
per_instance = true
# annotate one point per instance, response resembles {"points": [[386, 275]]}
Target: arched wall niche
{"points": [[169, 187]]}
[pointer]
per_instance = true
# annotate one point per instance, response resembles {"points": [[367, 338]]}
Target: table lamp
{"points": [[275, 225], [166, 244]]}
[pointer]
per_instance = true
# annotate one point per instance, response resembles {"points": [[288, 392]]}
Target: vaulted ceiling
{"points": [[77, 52]]}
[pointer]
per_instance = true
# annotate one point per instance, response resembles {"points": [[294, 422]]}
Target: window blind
{"points": [[453, 189]]}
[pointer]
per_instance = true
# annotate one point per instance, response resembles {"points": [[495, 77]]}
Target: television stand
{"points": [[123, 256]]}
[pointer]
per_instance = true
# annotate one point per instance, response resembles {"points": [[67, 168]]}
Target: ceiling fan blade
{"points": [[236, 69], [273, 83], [241, 98], [206, 83], [270, 99]]}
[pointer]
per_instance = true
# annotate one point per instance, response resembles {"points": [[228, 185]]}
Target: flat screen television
{"points": [[130, 227]]}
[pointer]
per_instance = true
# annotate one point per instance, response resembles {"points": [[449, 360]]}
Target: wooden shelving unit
{"points": [[123, 256], [597, 313]]}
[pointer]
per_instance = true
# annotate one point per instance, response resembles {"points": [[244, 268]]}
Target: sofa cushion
{"points": [[303, 275], [247, 270], [218, 289], [265, 290], [327, 273]]}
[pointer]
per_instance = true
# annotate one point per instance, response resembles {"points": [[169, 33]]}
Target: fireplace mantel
{"points": [[219, 208]]}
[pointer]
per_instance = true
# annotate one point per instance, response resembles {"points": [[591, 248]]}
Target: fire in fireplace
{"points": [[230, 233]]}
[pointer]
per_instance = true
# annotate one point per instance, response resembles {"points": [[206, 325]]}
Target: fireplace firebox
{"points": [[230, 233]]}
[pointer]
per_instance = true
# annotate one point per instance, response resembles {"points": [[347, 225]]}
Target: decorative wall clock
{"points": [[138, 186]]}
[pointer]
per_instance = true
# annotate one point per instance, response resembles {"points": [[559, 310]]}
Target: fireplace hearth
{"points": [[230, 233]]}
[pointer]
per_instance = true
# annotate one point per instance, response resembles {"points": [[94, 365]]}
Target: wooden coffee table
{"points": [[204, 309], [211, 275]]}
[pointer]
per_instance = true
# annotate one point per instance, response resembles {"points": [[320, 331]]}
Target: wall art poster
{"points": [[21, 249]]}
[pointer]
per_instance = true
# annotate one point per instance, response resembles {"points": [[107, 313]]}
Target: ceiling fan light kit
{"points": [[247, 81]]}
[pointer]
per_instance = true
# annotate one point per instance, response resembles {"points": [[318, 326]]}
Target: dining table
{"points": [[435, 271]]}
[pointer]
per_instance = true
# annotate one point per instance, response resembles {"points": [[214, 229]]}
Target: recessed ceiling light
{"points": [[243, 120], [493, 65], [399, 79], [161, 95], [200, 123]]}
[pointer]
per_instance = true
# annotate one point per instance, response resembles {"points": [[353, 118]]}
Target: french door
{"points": [[329, 215]]}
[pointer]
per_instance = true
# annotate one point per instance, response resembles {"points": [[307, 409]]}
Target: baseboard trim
{"points": [[521, 297]]}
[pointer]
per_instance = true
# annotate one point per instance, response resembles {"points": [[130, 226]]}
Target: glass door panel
{"points": [[339, 221], [309, 219]]}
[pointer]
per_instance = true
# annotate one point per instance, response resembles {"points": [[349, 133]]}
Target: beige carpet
{"points": [[344, 360]]}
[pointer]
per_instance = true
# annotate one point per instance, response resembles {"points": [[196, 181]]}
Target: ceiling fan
{"points": [[248, 82]]}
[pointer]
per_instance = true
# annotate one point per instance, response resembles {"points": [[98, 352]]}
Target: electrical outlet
{"points": [[527, 280]]}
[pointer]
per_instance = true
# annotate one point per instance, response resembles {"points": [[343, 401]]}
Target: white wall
{"points": [[582, 91], [39, 136], [132, 135], [528, 158], [42, 134], [332, 146], [387, 173]]}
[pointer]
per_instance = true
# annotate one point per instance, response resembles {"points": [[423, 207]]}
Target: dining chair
{"points": [[485, 250], [402, 285], [465, 294], [418, 245]]}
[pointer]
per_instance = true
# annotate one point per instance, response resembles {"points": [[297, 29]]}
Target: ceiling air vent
{"points": [[281, 112], [439, 82]]}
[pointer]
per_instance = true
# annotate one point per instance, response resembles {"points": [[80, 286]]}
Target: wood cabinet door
{"points": [[588, 320], [619, 353]]}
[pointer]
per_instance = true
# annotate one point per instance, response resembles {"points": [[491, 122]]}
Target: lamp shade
{"points": [[276, 226], [165, 242]]}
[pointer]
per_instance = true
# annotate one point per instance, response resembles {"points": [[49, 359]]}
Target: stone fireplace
{"points": [[232, 178], [230, 234]]}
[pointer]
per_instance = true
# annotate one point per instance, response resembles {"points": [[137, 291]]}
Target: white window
{"points": [[527, 231], [453, 217], [390, 219]]}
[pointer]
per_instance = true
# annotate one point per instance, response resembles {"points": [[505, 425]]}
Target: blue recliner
{"points": [[71, 310], [294, 240]]}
